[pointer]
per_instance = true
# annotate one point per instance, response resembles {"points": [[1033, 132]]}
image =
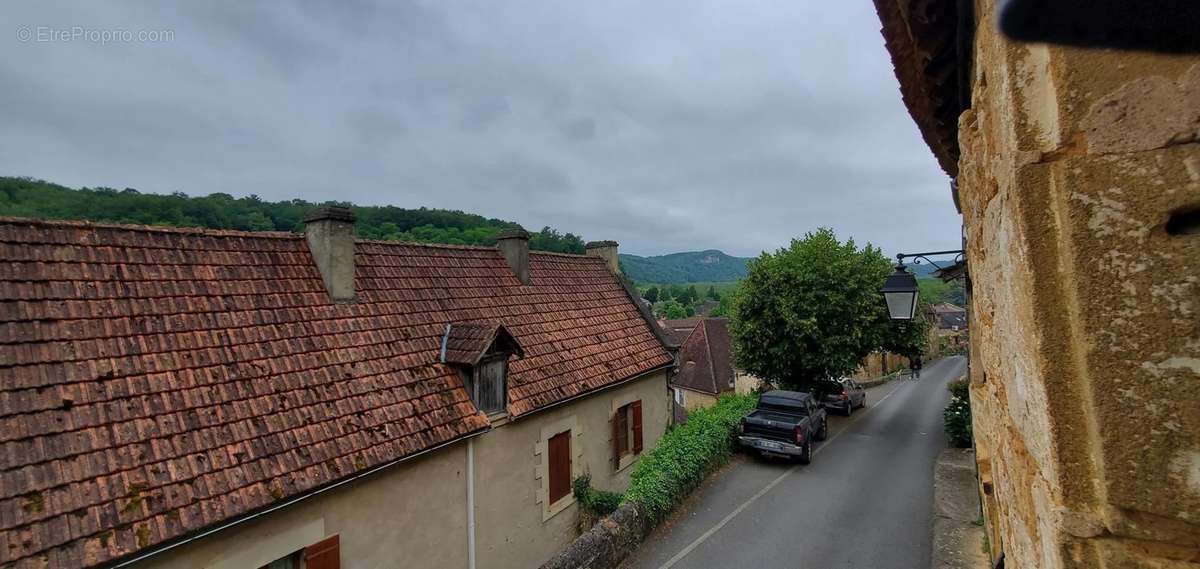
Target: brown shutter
{"points": [[323, 554], [636, 410], [560, 465]]}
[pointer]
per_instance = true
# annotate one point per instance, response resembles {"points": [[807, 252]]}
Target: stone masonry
{"points": [[1085, 331]]}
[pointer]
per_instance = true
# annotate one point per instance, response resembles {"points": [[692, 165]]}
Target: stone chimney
{"points": [[513, 242], [606, 250], [330, 234]]}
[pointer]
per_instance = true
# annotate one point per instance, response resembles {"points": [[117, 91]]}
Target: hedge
{"points": [[599, 503], [686, 454]]}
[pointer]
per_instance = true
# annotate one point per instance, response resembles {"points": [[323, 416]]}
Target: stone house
{"points": [[1077, 173], [192, 398], [946, 316], [705, 367]]}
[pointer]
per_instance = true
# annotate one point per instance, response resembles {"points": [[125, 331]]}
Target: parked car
{"points": [[851, 397], [784, 423]]}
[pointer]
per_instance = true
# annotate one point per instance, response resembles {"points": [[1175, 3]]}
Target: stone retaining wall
{"points": [[607, 543]]}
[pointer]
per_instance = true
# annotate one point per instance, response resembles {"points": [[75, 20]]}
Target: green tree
{"points": [[908, 338], [724, 307], [712, 293], [810, 311], [651, 294], [27, 197], [673, 310]]}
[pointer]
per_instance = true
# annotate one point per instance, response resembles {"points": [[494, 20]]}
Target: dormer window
{"points": [[481, 350]]}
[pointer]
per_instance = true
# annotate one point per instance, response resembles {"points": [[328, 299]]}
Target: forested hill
{"points": [[689, 267], [26, 197]]}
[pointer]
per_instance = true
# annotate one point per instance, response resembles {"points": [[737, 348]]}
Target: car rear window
{"points": [[792, 406]]}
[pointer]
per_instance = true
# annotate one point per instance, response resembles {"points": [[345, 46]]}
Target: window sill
{"points": [[557, 507], [498, 418], [627, 461]]}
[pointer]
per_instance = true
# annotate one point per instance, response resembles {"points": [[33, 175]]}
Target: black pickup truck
{"points": [[784, 423]]}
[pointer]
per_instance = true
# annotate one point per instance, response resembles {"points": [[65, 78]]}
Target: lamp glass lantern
{"points": [[900, 293]]}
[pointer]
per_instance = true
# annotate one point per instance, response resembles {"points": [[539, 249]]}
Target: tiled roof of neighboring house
{"points": [[925, 38], [679, 329], [946, 315], [706, 358], [942, 307], [162, 381]]}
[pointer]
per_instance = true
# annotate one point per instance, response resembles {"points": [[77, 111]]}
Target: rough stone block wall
{"points": [[1085, 331]]}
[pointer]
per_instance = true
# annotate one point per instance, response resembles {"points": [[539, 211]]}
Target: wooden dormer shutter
{"points": [[635, 409], [324, 554]]}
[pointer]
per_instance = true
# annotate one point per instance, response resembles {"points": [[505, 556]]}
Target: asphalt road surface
{"points": [[864, 502]]}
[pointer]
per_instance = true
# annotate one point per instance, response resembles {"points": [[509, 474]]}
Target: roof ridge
{"points": [[712, 372], [89, 224], [192, 230], [454, 246]]}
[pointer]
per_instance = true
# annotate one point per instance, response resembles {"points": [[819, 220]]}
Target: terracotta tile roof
{"points": [[161, 381], [678, 330], [706, 358], [465, 342]]}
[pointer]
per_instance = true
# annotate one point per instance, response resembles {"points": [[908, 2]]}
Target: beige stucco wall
{"points": [[744, 383], [1085, 331], [512, 529], [411, 515], [693, 400], [415, 514]]}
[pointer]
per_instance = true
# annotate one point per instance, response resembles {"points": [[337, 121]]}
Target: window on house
{"points": [[559, 460], [291, 561], [678, 396], [489, 384], [324, 554], [627, 432]]}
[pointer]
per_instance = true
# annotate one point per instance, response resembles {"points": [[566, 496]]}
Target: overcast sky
{"points": [[665, 125]]}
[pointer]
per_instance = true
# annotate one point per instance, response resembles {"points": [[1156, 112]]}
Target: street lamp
{"points": [[900, 292], [900, 289]]}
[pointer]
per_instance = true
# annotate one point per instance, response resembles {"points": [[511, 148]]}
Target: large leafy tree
{"points": [[811, 311], [651, 294]]}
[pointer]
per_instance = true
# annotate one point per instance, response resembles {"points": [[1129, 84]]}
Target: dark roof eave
{"points": [[930, 43]]}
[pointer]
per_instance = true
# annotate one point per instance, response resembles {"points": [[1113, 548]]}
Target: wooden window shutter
{"points": [[323, 554], [559, 449], [636, 410]]}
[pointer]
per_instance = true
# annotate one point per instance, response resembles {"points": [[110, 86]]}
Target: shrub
{"points": [[957, 416], [598, 503], [686, 454]]}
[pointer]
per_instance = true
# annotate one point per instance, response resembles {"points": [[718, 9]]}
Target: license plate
{"points": [[770, 445]]}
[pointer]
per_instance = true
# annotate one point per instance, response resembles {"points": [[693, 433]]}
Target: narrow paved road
{"points": [[864, 502]]}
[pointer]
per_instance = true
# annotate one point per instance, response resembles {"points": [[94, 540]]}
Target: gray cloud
{"points": [[666, 126]]}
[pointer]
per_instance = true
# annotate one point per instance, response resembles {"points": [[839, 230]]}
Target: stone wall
{"points": [[874, 366], [1085, 331]]}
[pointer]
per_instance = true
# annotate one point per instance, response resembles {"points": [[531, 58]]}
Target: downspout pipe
{"points": [[471, 503]]}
